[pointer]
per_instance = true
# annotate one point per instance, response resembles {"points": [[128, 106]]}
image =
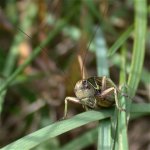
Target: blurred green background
{"points": [[60, 30]]}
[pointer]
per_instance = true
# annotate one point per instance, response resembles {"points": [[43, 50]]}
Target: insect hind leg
{"points": [[117, 101], [103, 83], [109, 91]]}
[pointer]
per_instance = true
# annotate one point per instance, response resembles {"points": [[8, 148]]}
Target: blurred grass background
{"points": [[59, 30]]}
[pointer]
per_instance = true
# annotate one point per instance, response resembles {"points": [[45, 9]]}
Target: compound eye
{"points": [[85, 83]]}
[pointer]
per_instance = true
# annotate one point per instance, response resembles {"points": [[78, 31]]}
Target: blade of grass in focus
{"points": [[82, 141], [138, 54], [122, 115], [57, 128], [34, 139], [140, 26]]}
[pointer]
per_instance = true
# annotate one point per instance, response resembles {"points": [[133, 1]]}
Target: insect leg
{"points": [[72, 99], [117, 101], [106, 92], [112, 83], [103, 83], [109, 91]]}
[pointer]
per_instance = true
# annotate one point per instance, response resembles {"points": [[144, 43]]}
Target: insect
{"points": [[94, 93]]}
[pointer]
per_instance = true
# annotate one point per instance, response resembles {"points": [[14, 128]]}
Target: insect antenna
{"points": [[82, 69], [82, 61], [104, 10]]}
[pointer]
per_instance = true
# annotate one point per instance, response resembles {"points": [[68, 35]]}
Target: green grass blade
{"points": [[123, 125], [139, 45], [120, 41], [104, 132], [2, 95], [145, 76], [83, 141], [143, 108], [122, 115], [57, 128], [122, 77], [139, 110], [101, 54], [102, 69], [61, 127]]}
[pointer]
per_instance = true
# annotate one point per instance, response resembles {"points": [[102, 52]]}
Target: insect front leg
{"points": [[72, 99]]}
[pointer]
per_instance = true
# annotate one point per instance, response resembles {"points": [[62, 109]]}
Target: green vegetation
{"points": [[39, 44]]}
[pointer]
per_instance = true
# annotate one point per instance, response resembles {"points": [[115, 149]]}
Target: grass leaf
{"points": [[57, 128], [139, 45]]}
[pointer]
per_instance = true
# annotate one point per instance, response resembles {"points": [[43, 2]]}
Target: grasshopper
{"points": [[94, 93]]}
